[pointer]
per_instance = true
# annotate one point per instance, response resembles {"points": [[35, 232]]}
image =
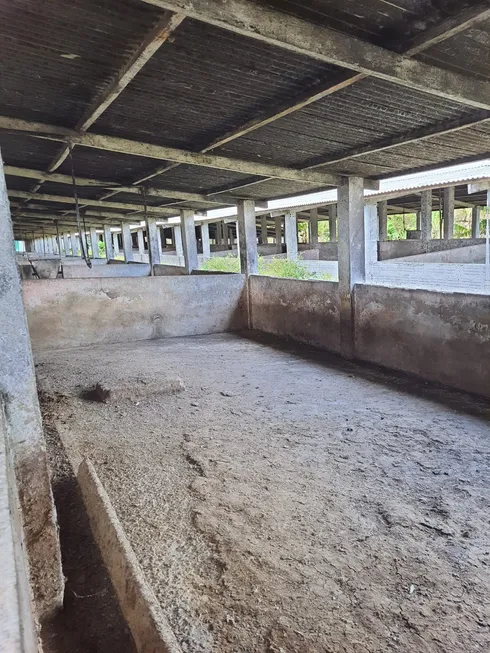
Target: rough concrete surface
{"points": [[290, 502], [74, 312]]}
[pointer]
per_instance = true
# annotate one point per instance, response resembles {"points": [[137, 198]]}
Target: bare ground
{"points": [[286, 501]]}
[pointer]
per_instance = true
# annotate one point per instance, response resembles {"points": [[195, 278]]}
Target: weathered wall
{"points": [[73, 312], [389, 249], [307, 311], [441, 337], [125, 270], [468, 254]]}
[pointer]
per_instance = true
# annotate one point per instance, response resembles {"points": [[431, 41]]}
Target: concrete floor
{"points": [[287, 501]]}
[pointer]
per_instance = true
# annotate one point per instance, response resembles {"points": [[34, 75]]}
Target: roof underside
{"points": [[206, 81]]}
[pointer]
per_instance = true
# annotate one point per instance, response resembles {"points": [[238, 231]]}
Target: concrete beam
{"points": [[25, 437], [247, 237], [351, 254], [272, 26], [189, 241], [291, 235]]}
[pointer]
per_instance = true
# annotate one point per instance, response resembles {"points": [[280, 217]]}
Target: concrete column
{"points": [[426, 214], [351, 255], [60, 245], [189, 241], [159, 239], [475, 222], [332, 222], [263, 230], [154, 255], [179, 248], [448, 212], [218, 233], [206, 246], [94, 242], [141, 243], [115, 242], [75, 244], [109, 247], [247, 237], [127, 242], [68, 245], [278, 233], [418, 220], [291, 235], [383, 220], [24, 437], [314, 226]]}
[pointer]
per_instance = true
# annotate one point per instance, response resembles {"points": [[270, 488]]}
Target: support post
{"points": [[109, 247], [159, 240], [332, 222], [383, 220], [247, 237], [141, 244], [189, 241], [68, 244], [75, 243], [314, 226], [24, 436], [475, 222], [263, 230], [448, 212], [179, 248], [115, 242], [426, 214], [206, 246], [291, 235], [127, 242], [153, 249], [94, 242], [351, 255], [278, 232], [218, 234]]}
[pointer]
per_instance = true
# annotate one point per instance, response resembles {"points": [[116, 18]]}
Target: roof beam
{"points": [[324, 44], [152, 42], [28, 173], [448, 28], [148, 150]]}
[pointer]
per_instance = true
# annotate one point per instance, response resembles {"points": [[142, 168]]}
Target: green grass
{"points": [[272, 267]]}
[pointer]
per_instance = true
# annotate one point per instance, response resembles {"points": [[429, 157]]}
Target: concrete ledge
{"points": [[139, 605], [112, 269]]}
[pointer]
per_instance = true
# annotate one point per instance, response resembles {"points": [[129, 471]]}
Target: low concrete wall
{"points": [[169, 270], [73, 312], [125, 270], [390, 249], [469, 254], [442, 337], [307, 311]]}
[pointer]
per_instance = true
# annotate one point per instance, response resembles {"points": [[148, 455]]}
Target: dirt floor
{"points": [[282, 501]]}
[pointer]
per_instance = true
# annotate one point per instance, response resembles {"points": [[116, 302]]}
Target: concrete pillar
{"points": [[75, 243], [417, 220], [68, 245], [426, 214], [314, 226], [127, 242], [263, 230], [159, 239], [94, 242], [278, 233], [24, 437], [218, 233], [109, 247], [206, 246], [189, 241], [448, 212], [154, 255], [383, 220], [351, 255], [60, 245], [179, 248], [141, 243], [115, 242], [247, 237], [291, 235], [332, 222], [475, 222]]}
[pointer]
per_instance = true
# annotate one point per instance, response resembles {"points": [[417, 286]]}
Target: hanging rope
{"points": [[82, 232]]}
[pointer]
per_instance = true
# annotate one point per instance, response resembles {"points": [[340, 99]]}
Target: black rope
{"points": [[83, 233]]}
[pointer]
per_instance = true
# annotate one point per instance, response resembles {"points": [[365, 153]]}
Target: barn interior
{"points": [[194, 460]]}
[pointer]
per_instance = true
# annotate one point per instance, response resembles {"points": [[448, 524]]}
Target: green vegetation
{"points": [[271, 267], [398, 224]]}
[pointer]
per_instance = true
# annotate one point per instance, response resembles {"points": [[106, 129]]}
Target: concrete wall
{"points": [[469, 254], [389, 249], [441, 337], [125, 270], [73, 312], [307, 311]]}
